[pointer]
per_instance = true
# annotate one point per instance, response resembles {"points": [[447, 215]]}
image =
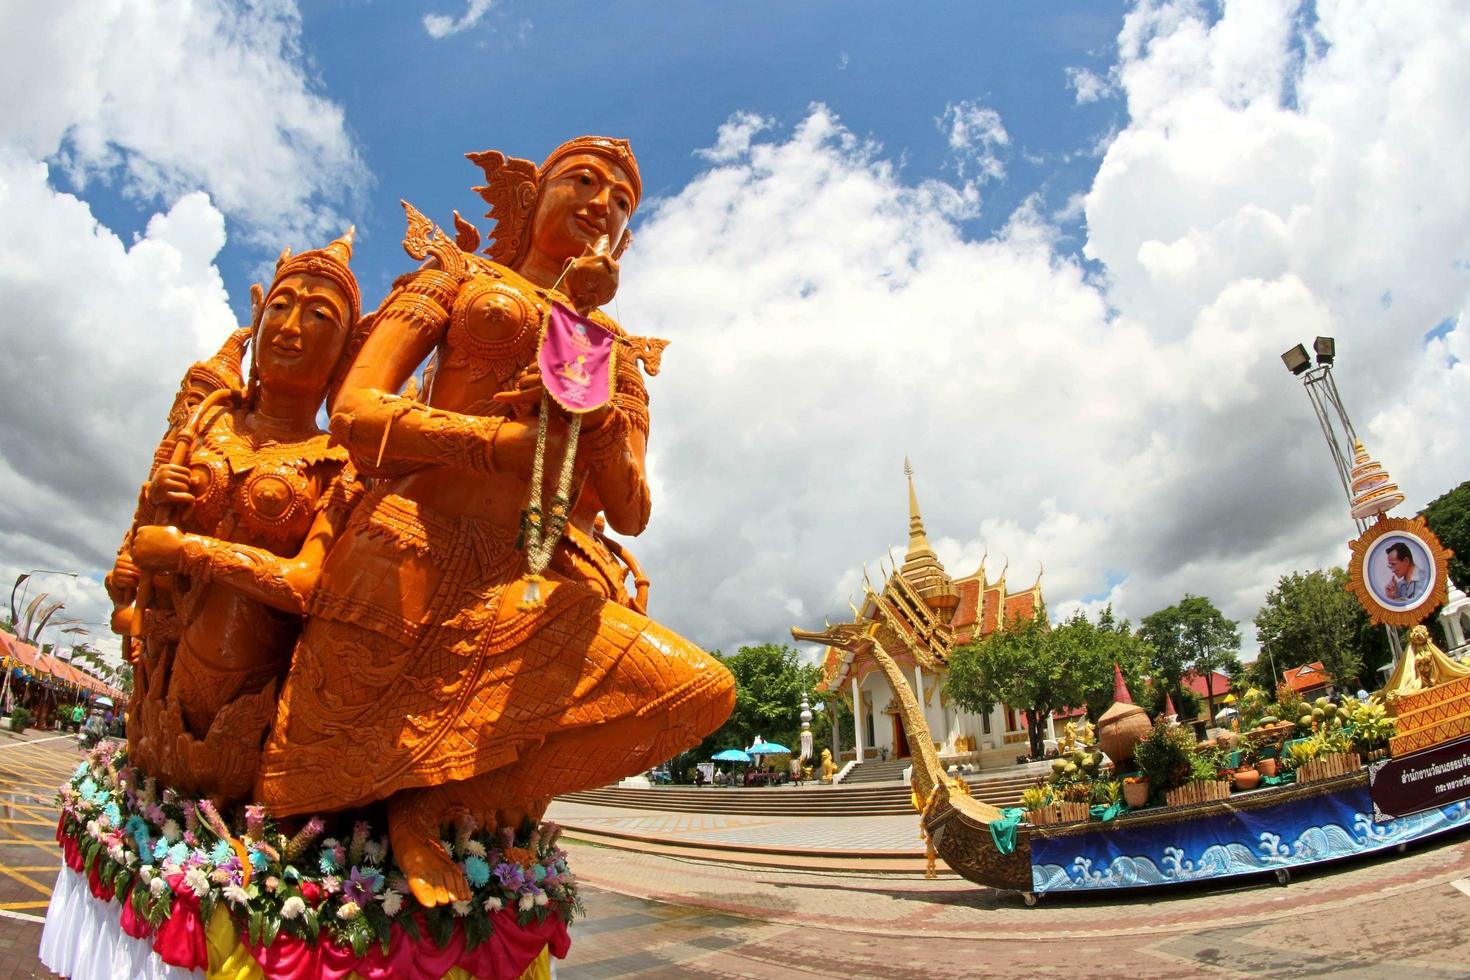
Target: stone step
{"points": [[866, 800]]}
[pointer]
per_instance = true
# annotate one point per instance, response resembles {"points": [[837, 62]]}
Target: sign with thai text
{"points": [[1420, 781]]}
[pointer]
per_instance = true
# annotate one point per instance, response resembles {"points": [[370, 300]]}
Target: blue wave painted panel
{"points": [[1290, 834]]}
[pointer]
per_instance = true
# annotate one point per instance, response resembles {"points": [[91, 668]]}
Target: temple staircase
{"points": [[874, 771]]}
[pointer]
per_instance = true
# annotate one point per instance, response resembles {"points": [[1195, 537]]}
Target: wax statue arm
{"points": [[379, 427], [281, 583], [614, 453]]}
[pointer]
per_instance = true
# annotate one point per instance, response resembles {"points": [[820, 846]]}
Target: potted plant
{"points": [[1246, 775], [1074, 802], [1204, 782], [1135, 791], [1373, 727], [1037, 802], [1164, 755], [19, 718]]}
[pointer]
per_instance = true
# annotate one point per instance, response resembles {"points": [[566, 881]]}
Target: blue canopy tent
{"points": [[731, 755], [768, 748]]}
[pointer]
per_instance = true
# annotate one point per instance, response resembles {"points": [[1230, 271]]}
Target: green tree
{"points": [[1025, 666], [1191, 635], [1092, 650], [770, 680], [1310, 617], [1448, 516]]}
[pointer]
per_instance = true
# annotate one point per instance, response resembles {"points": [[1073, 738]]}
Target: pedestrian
{"points": [[78, 715]]}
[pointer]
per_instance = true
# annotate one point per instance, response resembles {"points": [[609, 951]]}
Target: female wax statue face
{"points": [[303, 328], [584, 197]]}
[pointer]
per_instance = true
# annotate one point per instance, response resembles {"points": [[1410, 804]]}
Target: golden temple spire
{"points": [[921, 566]]}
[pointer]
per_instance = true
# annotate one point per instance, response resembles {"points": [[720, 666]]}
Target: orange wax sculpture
{"points": [[417, 678], [425, 674]]}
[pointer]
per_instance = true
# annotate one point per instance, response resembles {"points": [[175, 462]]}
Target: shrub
{"points": [[1164, 755]]}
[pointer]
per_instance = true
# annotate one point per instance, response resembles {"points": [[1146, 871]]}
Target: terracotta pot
{"points": [[1247, 779], [1119, 730], [1267, 767], [1135, 794]]}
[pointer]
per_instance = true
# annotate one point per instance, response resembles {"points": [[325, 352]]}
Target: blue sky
{"points": [[666, 76], [1048, 251]]}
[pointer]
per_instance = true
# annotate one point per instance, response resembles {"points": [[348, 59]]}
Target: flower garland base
{"points": [[155, 885]]}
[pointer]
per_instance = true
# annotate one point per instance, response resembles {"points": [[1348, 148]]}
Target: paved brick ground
{"points": [[657, 916], [790, 832]]}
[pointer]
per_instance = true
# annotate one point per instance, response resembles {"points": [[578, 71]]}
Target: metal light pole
{"points": [[1336, 427]]}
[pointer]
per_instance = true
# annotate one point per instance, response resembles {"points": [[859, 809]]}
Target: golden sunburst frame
{"points": [[1378, 559]]}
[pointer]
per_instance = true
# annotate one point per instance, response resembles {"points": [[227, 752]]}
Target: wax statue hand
{"points": [[124, 576], [170, 485], [525, 398], [158, 549], [591, 280]]}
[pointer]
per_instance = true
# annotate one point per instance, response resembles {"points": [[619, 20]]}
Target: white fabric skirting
{"points": [[84, 940]]}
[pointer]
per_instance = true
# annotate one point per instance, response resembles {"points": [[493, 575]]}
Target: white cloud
{"points": [[733, 139], [975, 134], [204, 109], [441, 26], [1088, 85], [1133, 430], [163, 98]]}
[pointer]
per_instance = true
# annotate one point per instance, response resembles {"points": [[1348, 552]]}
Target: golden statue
{"points": [[1075, 737], [829, 768], [1423, 665], [243, 500], [434, 672]]}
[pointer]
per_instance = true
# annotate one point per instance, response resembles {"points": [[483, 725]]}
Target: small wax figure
{"points": [[245, 496]]}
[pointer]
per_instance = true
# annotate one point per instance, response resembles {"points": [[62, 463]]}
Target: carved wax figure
{"points": [[418, 679], [256, 502]]}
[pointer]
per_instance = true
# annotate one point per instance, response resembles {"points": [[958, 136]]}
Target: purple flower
{"points": [[360, 887], [511, 876]]}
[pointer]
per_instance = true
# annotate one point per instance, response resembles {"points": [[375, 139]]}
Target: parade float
{"points": [[367, 658], [1297, 784]]}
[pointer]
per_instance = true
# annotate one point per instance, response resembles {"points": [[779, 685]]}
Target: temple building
{"points": [[933, 613]]}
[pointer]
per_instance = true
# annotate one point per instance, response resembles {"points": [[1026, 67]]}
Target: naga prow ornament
{"points": [[956, 825]]}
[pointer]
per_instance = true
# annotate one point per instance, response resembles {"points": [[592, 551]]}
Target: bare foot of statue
{"points": [[433, 876]]}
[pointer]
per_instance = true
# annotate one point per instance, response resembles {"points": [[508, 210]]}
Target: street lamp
{"points": [[1336, 427]]}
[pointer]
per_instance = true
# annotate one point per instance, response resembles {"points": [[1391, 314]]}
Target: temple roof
{"points": [[922, 613], [921, 566]]}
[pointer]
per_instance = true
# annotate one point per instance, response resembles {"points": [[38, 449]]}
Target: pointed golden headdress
{"points": [[512, 186], [331, 262]]}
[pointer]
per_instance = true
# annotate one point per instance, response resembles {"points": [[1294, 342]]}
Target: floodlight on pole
{"points": [[1297, 359], [1332, 418]]}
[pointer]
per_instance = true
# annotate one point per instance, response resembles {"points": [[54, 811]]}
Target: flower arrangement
{"points": [[149, 845]]}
